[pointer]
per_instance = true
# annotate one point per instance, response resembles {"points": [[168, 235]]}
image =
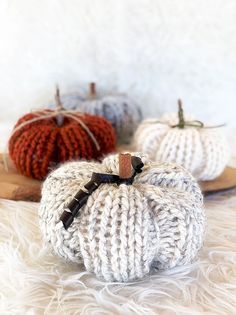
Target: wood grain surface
{"points": [[18, 187], [15, 186], [226, 180]]}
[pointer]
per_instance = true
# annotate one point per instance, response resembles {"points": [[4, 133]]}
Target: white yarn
{"points": [[203, 152], [123, 113], [124, 231]]}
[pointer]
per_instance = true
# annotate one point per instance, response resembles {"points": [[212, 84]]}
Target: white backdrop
{"points": [[155, 50]]}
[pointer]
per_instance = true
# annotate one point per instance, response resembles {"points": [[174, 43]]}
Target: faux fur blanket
{"points": [[33, 281]]}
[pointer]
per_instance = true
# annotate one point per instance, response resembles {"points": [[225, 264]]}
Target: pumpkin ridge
{"points": [[201, 150], [66, 142], [48, 157], [122, 232]]}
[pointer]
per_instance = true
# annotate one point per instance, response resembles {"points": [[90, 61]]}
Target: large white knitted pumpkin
{"points": [[122, 231], [203, 151], [122, 112]]}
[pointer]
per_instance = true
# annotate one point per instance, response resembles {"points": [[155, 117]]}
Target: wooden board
{"points": [[227, 180], [18, 187], [15, 186]]}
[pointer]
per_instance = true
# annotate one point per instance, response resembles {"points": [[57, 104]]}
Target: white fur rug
{"points": [[35, 282]]}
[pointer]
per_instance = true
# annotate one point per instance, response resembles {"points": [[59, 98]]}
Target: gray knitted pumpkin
{"points": [[122, 227], [70, 101], [123, 113]]}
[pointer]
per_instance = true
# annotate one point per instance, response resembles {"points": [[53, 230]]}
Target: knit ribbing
{"points": [[120, 110], [123, 231], [203, 152], [37, 147]]}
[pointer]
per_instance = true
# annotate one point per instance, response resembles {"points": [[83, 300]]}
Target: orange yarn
{"points": [[39, 146]]}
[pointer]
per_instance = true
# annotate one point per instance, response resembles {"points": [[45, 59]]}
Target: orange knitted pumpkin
{"points": [[42, 139]]}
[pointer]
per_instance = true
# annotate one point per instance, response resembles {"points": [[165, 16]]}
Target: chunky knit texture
{"points": [[204, 152], [125, 231], [39, 146], [123, 113]]}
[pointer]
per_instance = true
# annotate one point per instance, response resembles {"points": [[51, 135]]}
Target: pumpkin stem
{"points": [[92, 90], [125, 166], [59, 107], [58, 99], [181, 123]]}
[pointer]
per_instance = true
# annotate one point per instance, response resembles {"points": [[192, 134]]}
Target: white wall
{"points": [[156, 50]]}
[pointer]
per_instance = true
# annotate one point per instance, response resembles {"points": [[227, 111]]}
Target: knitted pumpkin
{"points": [[119, 109], [42, 139], [150, 216], [202, 150], [69, 101]]}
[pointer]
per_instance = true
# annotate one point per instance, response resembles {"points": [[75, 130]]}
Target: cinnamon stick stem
{"points": [[92, 89], [125, 166]]}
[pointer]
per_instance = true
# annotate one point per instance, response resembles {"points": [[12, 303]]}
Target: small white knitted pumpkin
{"points": [[203, 151], [122, 112], [123, 231]]}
